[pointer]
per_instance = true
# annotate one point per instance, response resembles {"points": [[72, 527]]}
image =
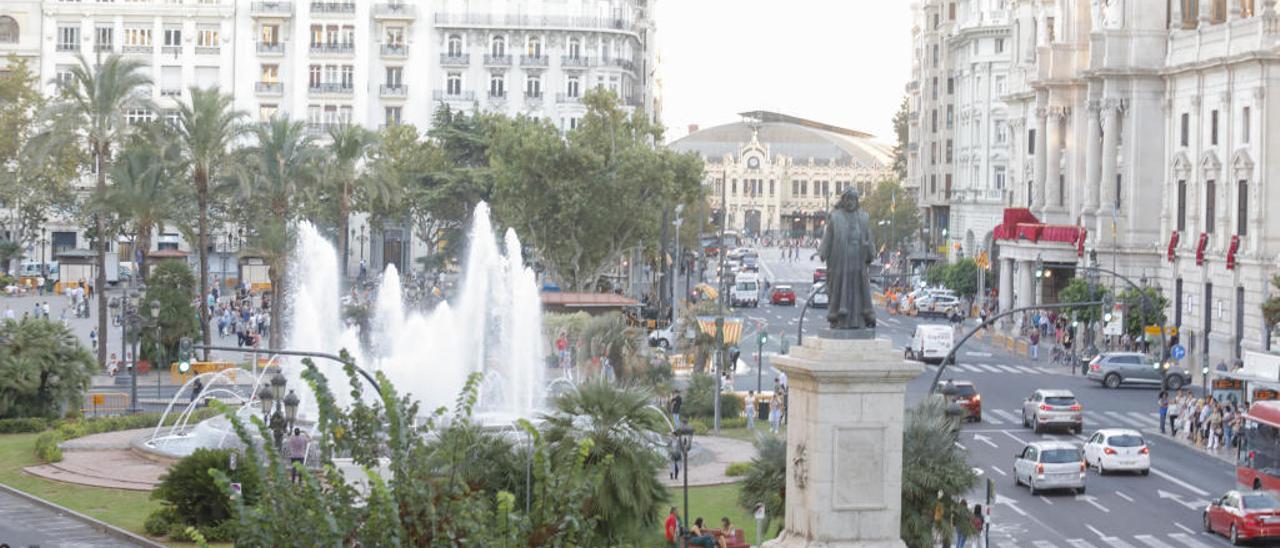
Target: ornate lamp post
{"points": [[130, 317], [159, 357], [686, 441], [280, 408]]}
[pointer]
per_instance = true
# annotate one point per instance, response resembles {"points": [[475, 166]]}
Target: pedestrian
{"points": [[775, 409], [196, 388], [297, 454], [1034, 345], [959, 527], [675, 452], [676, 402], [1163, 400], [699, 536], [671, 528], [749, 409], [93, 338], [45, 309], [1175, 409], [979, 524]]}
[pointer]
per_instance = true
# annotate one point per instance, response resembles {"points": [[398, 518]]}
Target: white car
{"points": [[818, 295], [1116, 449], [664, 338]]}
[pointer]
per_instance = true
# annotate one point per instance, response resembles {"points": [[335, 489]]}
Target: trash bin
{"points": [[762, 410]]}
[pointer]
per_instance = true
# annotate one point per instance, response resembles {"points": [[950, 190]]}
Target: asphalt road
{"points": [[25, 524], [1161, 510]]}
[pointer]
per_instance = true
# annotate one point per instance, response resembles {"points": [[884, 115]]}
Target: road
{"points": [[25, 524], [1161, 510]]}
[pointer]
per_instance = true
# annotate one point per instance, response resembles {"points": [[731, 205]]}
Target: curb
{"points": [[1224, 457], [99, 525]]}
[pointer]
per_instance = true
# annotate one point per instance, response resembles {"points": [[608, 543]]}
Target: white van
{"points": [[930, 343], [746, 291]]}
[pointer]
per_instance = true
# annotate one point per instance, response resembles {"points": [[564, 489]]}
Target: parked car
{"points": [[1049, 465], [930, 343], [818, 295], [782, 294], [1117, 449], [664, 338], [746, 291], [1115, 368], [1244, 516], [819, 274], [1048, 408], [967, 396]]}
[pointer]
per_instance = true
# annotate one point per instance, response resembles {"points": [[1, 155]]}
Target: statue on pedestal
{"points": [[847, 250]]}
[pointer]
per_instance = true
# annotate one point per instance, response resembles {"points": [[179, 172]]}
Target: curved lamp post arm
{"points": [[305, 354]]}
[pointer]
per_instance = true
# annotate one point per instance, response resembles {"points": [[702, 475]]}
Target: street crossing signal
{"points": [[764, 338], [184, 355]]}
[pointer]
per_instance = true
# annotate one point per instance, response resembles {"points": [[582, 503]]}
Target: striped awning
{"points": [[732, 328]]}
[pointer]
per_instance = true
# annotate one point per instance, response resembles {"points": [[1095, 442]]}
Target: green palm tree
{"points": [[90, 112], [141, 195], [935, 475], [280, 167], [349, 146], [766, 481], [207, 128], [627, 436]]}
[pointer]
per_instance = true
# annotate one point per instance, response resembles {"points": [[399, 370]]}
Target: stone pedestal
{"points": [[844, 443]]}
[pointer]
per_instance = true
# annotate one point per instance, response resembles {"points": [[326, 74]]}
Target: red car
{"points": [[967, 396], [782, 294], [819, 274], [1244, 516]]}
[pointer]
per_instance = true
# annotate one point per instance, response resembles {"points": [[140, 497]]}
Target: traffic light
{"points": [[1107, 317], [1039, 268], [764, 338], [184, 355]]}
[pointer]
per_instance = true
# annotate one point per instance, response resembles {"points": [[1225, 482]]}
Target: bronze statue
{"points": [[847, 250]]}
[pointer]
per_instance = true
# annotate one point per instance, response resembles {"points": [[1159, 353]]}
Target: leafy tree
{"points": [[1143, 308], [191, 490], [142, 194], [766, 480], [43, 368], [901, 130], [340, 174], [1271, 306], [625, 433], [90, 112], [172, 284], [888, 203], [1078, 291], [400, 172], [207, 128], [961, 277], [458, 176], [932, 464]]}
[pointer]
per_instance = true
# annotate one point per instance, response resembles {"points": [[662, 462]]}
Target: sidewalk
{"points": [[709, 458], [1225, 454]]}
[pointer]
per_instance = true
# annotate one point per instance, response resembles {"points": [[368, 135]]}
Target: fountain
{"points": [[492, 327]]}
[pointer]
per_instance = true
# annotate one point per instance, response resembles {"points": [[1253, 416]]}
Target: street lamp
{"points": [[685, 435], [130, 317], [155, 320], [280, 409]]}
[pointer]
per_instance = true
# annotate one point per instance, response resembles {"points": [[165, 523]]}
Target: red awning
{"points": [[1231, 251], [1020, 224], [1173, 244]]}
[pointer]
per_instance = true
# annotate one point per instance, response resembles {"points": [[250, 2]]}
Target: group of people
{"points": [[1204, 422], [239, 317], [977, 519], [699, 534]]}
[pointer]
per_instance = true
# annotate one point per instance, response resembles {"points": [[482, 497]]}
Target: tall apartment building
{"points": [[931, 165], [370, 63], [1140, 133]]}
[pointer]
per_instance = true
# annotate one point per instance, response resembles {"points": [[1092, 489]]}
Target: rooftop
{"points": [[796, 138]]}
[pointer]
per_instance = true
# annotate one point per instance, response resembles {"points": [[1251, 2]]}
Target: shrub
{"points": [[23, 426], [699, 428], [178, 532], [698, 402], [160, 521], [43, 367], [192, 491], [736, 422], [47, 449], [737, 469]]}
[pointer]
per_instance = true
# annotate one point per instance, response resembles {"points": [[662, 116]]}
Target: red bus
{"points": [[1258, 459]]}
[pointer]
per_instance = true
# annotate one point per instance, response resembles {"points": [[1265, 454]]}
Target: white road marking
{"points": [[962, 448], [988, 368], [992, 420], [1179, 482], [1045, 371], [1008, 369], [999, 471], [1043, 544], [1025, 370], [1125, 419], [1146, 418], [1186, 540], [1001, 499], [1151, 541], [1080, 543], [1015, 438], [1093, 501], [1007, 416], [984, 439], [1046, 500], [978, 354], [1007, 544], [1123, 496]]}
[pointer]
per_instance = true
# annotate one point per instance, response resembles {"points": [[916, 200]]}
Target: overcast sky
{"points": [[842, 62]]}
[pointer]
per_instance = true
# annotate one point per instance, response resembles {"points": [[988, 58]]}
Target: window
{"points": [[1031, 142], [935, 87], [8, 30], [313, 76], [207, 38], [1050, 32], [331, 74], [136, 37], [348, 76], [1119, 190], [270, 74], [314, 114], [533, 87], [270, 34], [392, 116], [733, 187], [1000, 85], [934, 120], [330, 35], [348, 36], [572, 88], [1002, 132], [1244, 125], [498, 48], [1210, 189], [453, 83], [999, 45], [63, 76], [105, 37], [804, 188], [395, 37], [1185, 129], [1182, 205], [534, 47], [497, 85], [266, 112], [172, 38], [951, 116], [948, 151], [935, 56], [137, 116], [1213, 127], [395, 77], [951, 11], [999, 177], [933, 184], [951, 86], [575, 48], [455, 45], [771, 187], [1242, 207], [68, 38]]}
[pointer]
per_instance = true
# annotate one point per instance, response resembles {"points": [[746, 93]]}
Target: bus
{"points": [[711, 247], [1258, 457]]}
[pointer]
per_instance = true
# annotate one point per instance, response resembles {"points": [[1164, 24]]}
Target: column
{"points": [[1053, 160], [1092, 161], [1006, 284], [1110, 142], [1026, 284], [1038, 187]]}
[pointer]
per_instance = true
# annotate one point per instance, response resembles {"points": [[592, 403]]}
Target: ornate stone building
{"points": [[783, 173]]}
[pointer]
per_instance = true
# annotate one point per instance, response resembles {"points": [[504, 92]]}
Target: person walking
{"points": [[749, 409], [1163, 400], [1034, 344], [960, 538], [297, 453], [675, 452], [979, 523], [775, 409], [671, 528], [676, 402]]}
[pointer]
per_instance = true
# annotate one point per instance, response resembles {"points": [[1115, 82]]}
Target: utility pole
{"points": [[676, 263], [724, 294]]}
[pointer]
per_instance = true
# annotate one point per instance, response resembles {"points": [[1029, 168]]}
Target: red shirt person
{"points": [[671, 526]]}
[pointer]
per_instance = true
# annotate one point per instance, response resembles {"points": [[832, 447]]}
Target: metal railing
{"points": [[623, 63], [139, 49], [459, 59], [395, 50], [333, 7], [504, 60], [338, 89], [566, 98], [171, 50], [550, 21], [443, 95], [269, 48], [533, 60], [342, 49], [274, 88], [570, 61], [394, 91], [395, 10], [271, 8], [177, 92], [208, 50]]}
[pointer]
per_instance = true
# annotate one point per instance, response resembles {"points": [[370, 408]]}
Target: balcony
{"points": [[332, 89], [318, 8], [567, 61], [394, 10], [271, 9], [171, 92], [171, 50], [103, 48], [532, 98], [533, 61], [565, 98], [443, 95], [459, 60], [269, 88], [265, 48], [68, 47], [484, 20], [321, 128], [333, 49], [497, 60], [623, 64], [208, 50], [395, 50], [497, 95], [139, 49], [399, 91]]}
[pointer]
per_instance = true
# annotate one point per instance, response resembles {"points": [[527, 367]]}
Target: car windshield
{"points": [[1125, 440], [783, 288], [1060, 400], [965, 390], [1059, 456], [1259, 501]]}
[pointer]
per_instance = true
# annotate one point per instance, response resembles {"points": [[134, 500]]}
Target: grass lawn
{"points": [[124, 509], [711, 504], [748, 435]]}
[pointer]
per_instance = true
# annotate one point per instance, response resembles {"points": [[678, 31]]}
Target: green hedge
{"points": [[72, 428], [23, 426], [698, 402], [737, 469], [47, 449]]}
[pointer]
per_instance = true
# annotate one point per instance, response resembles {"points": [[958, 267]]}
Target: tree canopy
{"points": [[43, 367], [893, 214]]}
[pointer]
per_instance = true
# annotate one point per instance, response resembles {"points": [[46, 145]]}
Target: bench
{"points": [[738, 540]]}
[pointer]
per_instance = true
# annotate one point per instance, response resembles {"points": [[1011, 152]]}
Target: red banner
{"points": [[1204, 241], [1173, 244]]}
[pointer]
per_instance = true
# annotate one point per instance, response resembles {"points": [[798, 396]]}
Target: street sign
{"points": [[1153, 330], [1115, 327], [1177, 351]]}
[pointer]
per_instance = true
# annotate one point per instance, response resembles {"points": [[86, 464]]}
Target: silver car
{"points": [[1048, 408], [1049, 465], [1115, 368]]}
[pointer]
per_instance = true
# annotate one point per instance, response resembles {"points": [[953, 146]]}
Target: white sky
{"points": [[841, 62]]}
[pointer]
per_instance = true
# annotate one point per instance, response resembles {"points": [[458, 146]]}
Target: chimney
{"points": [[693, 128]]}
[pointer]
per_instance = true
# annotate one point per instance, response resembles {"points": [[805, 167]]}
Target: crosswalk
{"points": [[1093, 420], [1006, 369], [1168, 540]]}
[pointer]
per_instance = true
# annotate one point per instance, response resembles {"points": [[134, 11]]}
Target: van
{"points": [[930, 343], [746, 291]]}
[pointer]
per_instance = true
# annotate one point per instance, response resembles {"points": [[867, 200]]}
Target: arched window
{"points": [[575, 48], [498, 47], [455, 45], [8, 30], [535, 47]]}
